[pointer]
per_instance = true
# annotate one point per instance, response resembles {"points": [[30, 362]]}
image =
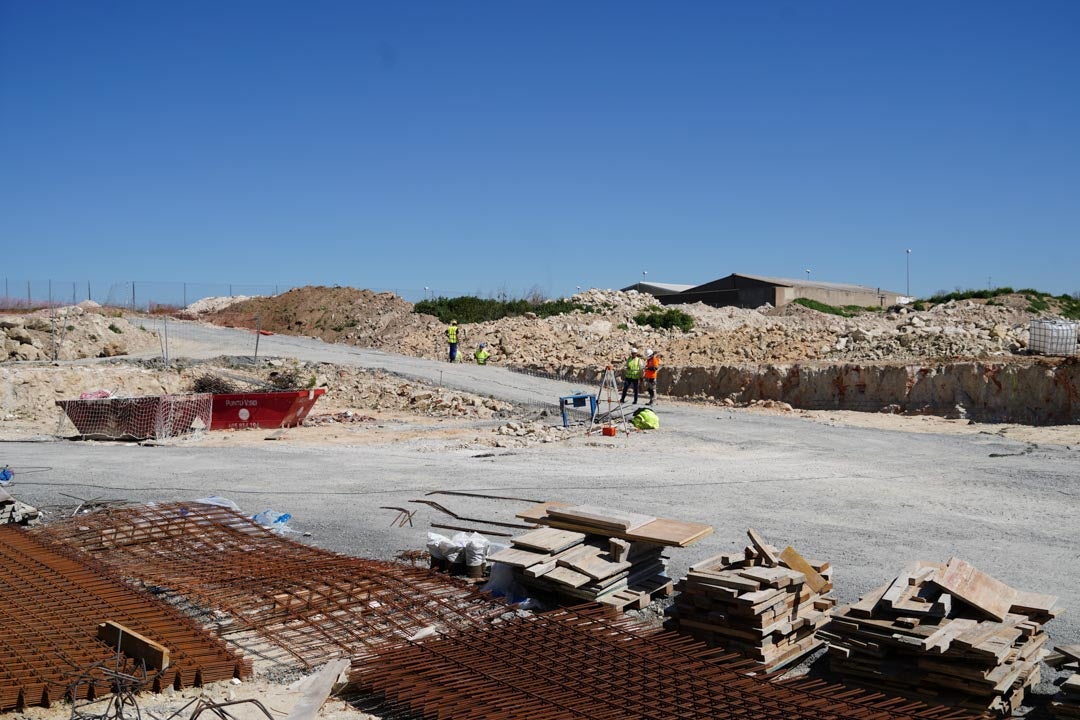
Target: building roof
{"points": [[802, 282], [655, 288]]}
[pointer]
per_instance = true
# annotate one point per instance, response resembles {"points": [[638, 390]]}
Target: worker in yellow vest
{"points": [[452, 338], [635, 368], [482, 354]]}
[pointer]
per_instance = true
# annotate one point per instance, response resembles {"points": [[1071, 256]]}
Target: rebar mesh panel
{"points": [[592, 662], [311, 603], [53, 601]]}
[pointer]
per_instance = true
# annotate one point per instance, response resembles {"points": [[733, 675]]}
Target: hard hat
{"points": [[648, 351], [635, 351], [483, 344], [453, 322]]}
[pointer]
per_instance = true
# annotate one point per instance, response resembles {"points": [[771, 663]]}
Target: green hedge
{"points": [[472, 309], [845, 311], [658, 317]]}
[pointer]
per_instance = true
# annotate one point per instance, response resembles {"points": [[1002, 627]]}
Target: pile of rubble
{"points": [[944, 633], [606, 330], [524, 434], [209, 305], [70, 333], [761, 603]]}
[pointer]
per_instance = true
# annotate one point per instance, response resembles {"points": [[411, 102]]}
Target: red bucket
{"points": [[609, 431]]}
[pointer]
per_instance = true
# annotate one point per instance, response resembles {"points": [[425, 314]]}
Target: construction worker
{"points": [[452, 338], [652, 367], [635, 368], [482, 354]]}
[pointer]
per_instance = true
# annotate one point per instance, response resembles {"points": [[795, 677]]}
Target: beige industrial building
{"points": [[750, 291]]}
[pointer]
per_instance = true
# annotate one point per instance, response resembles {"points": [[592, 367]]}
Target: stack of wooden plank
{"points": [[945, 634], [1066, 704], [616, 523], [596, 554], [764, 604]]}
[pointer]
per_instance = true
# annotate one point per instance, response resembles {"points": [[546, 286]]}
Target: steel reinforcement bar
{"points": [[53, 601], [592, 662], [313, 604]]}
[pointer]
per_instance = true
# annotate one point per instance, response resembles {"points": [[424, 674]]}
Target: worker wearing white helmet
{"points": [[652, 367], [635, 367]]}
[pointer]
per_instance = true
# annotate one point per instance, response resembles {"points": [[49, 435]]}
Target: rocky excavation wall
{"points": [[1038, 393]]}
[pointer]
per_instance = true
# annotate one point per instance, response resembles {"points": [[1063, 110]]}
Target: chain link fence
{"points": [[21, 294]]}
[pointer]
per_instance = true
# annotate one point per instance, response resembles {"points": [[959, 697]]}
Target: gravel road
{"points": [[866, 500]]}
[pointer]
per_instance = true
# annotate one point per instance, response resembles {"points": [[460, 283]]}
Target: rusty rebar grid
{"points": [[313, 604], [53, 601], [592, 662]]}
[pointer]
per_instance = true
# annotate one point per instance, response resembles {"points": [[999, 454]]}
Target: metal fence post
{"points": [[258, 332], [132, 296]]}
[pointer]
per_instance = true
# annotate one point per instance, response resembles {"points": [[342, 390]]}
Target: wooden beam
{"points": [[134, 645]]}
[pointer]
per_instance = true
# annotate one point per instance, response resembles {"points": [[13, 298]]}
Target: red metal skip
{"points": [[262, 410]]}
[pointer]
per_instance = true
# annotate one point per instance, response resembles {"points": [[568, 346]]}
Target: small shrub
{"points": [[69, 328], [658, 317], [918, 306], [622, 326], [115, 329]]}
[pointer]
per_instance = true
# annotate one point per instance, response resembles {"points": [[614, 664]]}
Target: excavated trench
{"points": [[1031, 391]]}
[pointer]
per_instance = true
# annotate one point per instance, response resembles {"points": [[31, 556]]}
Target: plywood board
{"points": [[566, 576], [549, 540], [538, 512], [1031, 602], [517, 557], [976, 588], [599, 517], [670, 532], [598, 566]]}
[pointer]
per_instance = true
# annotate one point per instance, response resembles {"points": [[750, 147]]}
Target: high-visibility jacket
{"points": [[451, 334], [645, 419], [652, 365], [481, 356], [634, 367]]}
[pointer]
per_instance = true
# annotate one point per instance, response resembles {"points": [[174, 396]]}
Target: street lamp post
{"points": [[643, 274], [908, 290], [807, 271], [425, 292]]}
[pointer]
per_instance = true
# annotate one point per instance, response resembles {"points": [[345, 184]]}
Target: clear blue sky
{"points": [[472, 146]]}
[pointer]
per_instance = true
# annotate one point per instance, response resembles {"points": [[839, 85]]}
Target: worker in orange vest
{"points": [[652, 366]]}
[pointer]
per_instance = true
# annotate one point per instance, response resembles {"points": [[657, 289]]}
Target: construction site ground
{"points": [[868, 492]]}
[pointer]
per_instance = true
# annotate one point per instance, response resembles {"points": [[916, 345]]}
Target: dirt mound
{"points": [[337, 314]]}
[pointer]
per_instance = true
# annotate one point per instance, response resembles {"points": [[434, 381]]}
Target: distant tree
{"points": [[536, 295]]}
